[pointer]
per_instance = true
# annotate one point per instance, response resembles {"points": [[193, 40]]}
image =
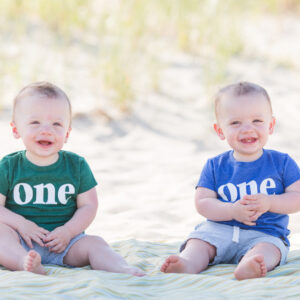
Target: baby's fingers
{"points": [[250, 223], [50, 236], [43, 231], [27, 240], [244, 201], [255, 216], [249, 203], [249, 197], [50, 243], [251, 206], [38, 240], [55, 247]]}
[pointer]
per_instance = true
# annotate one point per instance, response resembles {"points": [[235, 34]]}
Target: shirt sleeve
{"points": [[291, 172], [87, 179], [4, 186], [207, 178]]}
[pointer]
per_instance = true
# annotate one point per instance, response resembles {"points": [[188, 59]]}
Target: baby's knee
{"points": [[7, 231], [96, 240]]}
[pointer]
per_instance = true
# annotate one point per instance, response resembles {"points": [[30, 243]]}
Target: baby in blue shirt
{"points": [[246, 193]]}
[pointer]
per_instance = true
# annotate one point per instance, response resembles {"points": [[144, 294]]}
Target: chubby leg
{"points": [[193, 259], [14, 257], [262, 258], [94, 251]]}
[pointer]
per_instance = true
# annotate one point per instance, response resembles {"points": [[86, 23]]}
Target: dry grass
{"points": [[119, 45]]}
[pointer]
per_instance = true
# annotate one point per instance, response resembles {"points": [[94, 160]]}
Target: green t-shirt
{"points": [[44, 195]]}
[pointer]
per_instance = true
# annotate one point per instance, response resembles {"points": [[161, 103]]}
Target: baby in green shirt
{"points": [[47, 195]]}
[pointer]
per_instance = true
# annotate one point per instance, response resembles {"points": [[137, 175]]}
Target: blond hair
{"points": [[241, 89], [41, 89]]}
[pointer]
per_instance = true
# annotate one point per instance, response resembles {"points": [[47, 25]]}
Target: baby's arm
{"points": [[286, 203], [27, 229], [87, 204], [213, 209]]}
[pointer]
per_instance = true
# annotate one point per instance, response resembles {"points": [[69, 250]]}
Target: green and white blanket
{"points": [[216, 282]]}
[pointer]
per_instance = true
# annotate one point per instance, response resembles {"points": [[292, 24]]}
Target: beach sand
{"points": [[148, 161]]}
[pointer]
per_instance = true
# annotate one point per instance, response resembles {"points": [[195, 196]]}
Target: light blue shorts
{"points": [[51, 258], [232, 242]]}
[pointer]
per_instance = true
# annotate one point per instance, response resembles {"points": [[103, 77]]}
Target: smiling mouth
{"points": [[248, 140], [45, 143]]}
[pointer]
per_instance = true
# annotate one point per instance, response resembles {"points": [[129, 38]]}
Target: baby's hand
{"points": [[244, 213], [29, 231], [261, 203], [58, 239]]}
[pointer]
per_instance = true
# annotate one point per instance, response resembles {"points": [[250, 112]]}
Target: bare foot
{"points": [[133, 271], [32, 263], [252, 267], [174, 264]]}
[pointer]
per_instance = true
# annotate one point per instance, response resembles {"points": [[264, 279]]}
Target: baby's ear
{"points": [[272, 125], [219, 131], [14, 130], [68, 134]]}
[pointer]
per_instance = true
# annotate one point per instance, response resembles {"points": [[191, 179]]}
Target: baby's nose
{"points": [[247, 127], [46, 129]]}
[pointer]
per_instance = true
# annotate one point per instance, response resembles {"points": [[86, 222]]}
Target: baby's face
{"points": [[245, 122], [44, 126]]}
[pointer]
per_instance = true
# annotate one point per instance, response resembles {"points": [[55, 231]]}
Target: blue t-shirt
{"points": [[272, 173]]}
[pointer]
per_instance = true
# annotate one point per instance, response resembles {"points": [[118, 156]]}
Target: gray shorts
{"points": [[51, 258], [232, 242]]}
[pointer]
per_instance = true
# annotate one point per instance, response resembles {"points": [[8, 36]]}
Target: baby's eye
{"points": [[235, 123], [57, 124], [34, 122], [257, 121]]}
